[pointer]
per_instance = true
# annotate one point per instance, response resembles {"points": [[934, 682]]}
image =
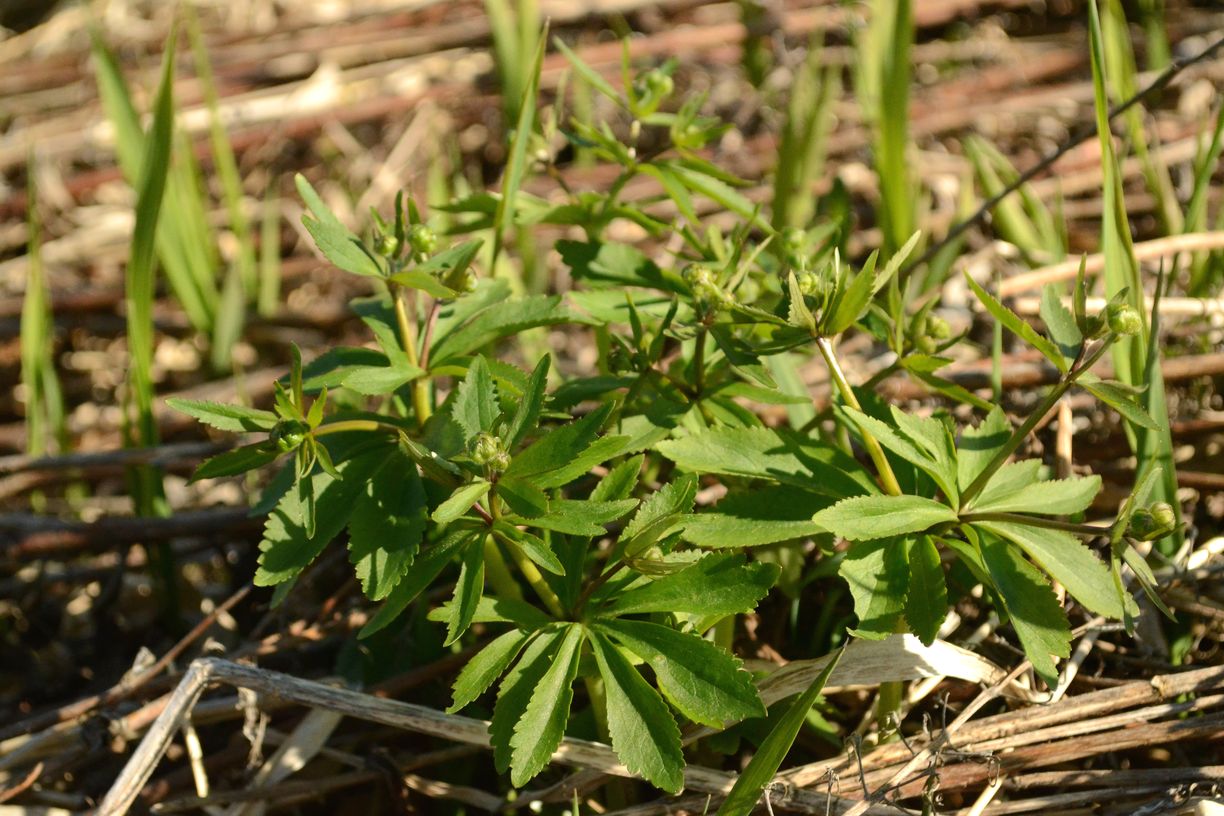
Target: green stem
{"points": [[498, 572], [699, 361], [408, 338], [535, 579], [888, 479], [346, 425], [1030, 422]]}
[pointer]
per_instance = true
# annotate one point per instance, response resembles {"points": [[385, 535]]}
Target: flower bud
{"points": [[937, 328], [289, 435], [461, 280], [490, 451], [793, 239], [1123, 320], [809, 283], [659, 84], [387, 246], [422, 239], [1153, 522]]}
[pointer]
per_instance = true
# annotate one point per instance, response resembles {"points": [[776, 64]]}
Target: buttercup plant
{"points": [[561, 509]]}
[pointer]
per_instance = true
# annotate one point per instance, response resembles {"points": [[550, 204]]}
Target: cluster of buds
{"points": [[1151, 523], [651, 88], [422, 240], [705, 287], [288, 435], [794, 251], [1118, 318], [928, 332], [490, 451]]}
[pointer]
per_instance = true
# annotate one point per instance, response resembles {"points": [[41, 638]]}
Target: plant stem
{"points": [[346, 425], [1020, 434], [498, 572], [699, 361], [408, 338], [525, 566], [888, 479]]}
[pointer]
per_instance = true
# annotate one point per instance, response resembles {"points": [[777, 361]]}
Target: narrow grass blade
{"points": [[801, 153], [516, 165], [765, 763], [268, 298], [1136, 359]]}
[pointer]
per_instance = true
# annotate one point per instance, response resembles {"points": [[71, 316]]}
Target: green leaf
{"points": [[644, 733], [532, 546], [225, 417], [378, 381], [527, 416], [659, 514], [387, 525], [1060, 324], [539, 731], [1118, 397], [425, 568], [1017, 325], [582, 518], [878, 577], [979, 445], [468, 589], [620, 481], [763, 453], [475, 406], [1010, 478], [519, 614], [1067, 560], [516, 691], [926, 598], [334, 240], [461, 501], [500, 320], [798, 314], [756, 517], [914, 442], [1035, 613], [863, 518], [611, 263], [567, 452], [416, 279], [238, 460], [485, 667], [1059, 497], [705, 683], [523, 497], [751, 784], [287, 548], [714, 585]]}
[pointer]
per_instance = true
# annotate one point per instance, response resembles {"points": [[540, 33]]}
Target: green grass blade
{"points": [[751, 784], [267, 301], [801, 152], [1135, 363], [516, 165], [44, 404]]}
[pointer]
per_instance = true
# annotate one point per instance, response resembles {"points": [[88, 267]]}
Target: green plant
{"points": [[558, 509]]}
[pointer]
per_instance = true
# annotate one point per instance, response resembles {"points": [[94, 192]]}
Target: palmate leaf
{"points": [[644, 733], [863, 518], [539, 730], [705, 683], [715, 585], [516, 690], [388, 522], [878, 577], [287, 547], [1067, 560], [979, 445], [485, 667], [926, 598], [236, 418], [1035, 613], [1059, 497], [425, 568]]}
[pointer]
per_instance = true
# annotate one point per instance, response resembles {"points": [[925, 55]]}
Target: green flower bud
{"points": [[937, 328], [659, 84], [1123, 320], [289, 435], [926, 344], [809, 283], [461, 280], [388, 246], [1153, 522], [422, 239], [793, 239], [490, 451]]}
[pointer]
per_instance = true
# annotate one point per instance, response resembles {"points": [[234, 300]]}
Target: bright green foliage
{"points": [[568, 518]]}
